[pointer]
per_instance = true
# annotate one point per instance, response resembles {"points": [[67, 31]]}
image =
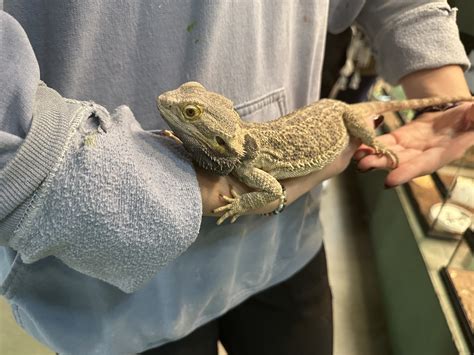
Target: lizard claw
{"points": [[226, 199], [170, 134], [390, 155], [381, 150], [234, 193], [224, 208], [226, 215], [231, 209], [393, 157]]}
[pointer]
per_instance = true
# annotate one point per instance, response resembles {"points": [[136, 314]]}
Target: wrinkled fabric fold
{"points": [[93, 197]]}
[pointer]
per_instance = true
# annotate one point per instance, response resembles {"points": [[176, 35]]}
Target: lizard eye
{"points": [[220, 141], [191, 112]]}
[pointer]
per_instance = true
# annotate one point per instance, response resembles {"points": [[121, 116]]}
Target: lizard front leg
{"points": [[268, 190]]}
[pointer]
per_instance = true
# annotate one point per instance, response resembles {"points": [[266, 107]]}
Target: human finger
{"points": [[376, 161], [421, 165]]}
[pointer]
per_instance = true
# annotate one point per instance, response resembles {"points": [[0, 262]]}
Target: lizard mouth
{"points": [[207, 158]]}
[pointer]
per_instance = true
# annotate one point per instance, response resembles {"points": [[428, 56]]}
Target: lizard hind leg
{"points": [[357, 126]]}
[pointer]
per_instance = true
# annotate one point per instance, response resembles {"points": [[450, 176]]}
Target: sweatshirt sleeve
{"points": [[19, 78], [405, 35], [409, 35], [90, 188]]}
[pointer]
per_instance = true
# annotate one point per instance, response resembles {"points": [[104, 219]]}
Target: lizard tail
{"points": [[379, 107]]}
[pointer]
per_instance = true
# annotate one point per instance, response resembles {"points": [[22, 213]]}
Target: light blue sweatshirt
{"points": [[103, 248]]}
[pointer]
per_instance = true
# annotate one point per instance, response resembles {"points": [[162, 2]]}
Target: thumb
{"points": [[468, 121]]}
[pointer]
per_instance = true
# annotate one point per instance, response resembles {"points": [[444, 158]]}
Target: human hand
{"points": [[424, 145]]}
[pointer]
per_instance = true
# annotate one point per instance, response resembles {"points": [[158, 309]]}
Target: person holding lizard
{"points": [[104, 247]]}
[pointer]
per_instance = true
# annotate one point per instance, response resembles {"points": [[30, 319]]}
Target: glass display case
{"points": [[458, 276], [436, 212], [454, 215], [443, 206]]}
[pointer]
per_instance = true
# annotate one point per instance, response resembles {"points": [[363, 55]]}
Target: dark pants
{"points": [[293, 317]]}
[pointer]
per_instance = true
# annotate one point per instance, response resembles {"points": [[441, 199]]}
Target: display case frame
{"points": [[461, 293]]}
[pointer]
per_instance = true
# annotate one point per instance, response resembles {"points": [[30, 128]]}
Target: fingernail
{"points": [[365, 150], [361, 153], [453, 105]]}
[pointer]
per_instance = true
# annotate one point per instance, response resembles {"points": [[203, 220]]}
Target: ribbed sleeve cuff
{"points": [[37, 157], [40, 150], [423, 38]]}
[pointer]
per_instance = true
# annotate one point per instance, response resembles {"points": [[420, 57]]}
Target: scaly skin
{"points": [[260, 154]]}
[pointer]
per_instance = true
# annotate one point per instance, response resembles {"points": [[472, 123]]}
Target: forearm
{"points": [[212, 187], [446, 80]]}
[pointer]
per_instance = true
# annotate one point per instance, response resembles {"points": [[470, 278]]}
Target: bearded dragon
{"points": [[261, 154]]}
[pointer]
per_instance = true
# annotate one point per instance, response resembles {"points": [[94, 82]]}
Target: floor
{"points": [[359, 323]]}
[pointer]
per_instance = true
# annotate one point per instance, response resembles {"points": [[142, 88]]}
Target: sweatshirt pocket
{"points": [[264, 108]]}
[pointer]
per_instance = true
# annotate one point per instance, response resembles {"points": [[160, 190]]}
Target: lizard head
{"points": [[207, 124]]}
